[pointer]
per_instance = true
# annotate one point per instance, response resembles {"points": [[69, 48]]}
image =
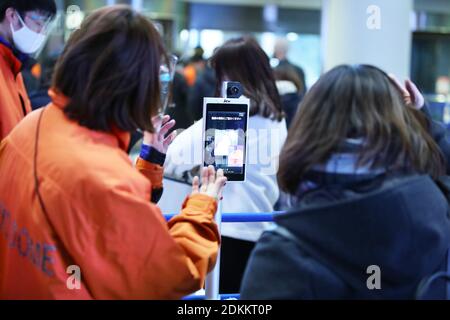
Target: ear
{"points": [[11, 18]]}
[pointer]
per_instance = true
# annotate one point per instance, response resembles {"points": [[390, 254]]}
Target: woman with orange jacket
{"points": [[77, 220]]}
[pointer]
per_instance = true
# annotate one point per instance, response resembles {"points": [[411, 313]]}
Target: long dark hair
{"points": [[357, 102], [243, 60], [110, 71]]}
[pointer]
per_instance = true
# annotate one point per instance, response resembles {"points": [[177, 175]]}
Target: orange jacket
{"points": [[100, 219], [14, 101], [190, 74]]}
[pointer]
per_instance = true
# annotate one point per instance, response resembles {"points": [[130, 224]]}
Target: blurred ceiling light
{"points": [[194, 38], [74, 17], [267, 42], [184, 35], [210, 40], [274, 62], [292, 36], [441, 98], [270, 13]]}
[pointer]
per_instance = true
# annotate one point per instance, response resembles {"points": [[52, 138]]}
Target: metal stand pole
{"points": [[213, 279]]}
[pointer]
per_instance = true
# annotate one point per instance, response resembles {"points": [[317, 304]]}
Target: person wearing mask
{"points": [[244, 61], [365, 177], [281, 51], [70, 198], [23, 31]]}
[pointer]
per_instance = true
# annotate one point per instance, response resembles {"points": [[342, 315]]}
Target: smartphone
{"points": [[225, 136]]}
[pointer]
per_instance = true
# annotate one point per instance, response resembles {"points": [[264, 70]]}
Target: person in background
{"points": [[242, 60], [69, 194], [31, 74], [366, 181], [290, 88], [195, 67], [178, 108], [22, 32], [40, 97], [281, 51], [205, 86]]}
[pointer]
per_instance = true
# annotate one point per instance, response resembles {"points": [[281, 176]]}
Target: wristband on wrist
{"points": [[150, 154]]}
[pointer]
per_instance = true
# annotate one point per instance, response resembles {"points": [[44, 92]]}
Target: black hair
{"points": [[45, 6]]}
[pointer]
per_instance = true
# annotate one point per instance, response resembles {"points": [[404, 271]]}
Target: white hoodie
{"points": [[258, 193]]}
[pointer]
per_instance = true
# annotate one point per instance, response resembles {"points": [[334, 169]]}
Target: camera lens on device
{"points": [[234, 90]]}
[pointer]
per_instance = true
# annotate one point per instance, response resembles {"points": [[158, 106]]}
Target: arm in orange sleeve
{"points": [[196, 231], [154, 173], [126, 250]]}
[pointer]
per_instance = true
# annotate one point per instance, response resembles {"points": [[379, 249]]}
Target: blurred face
{"points": [[34, 20], [27, 31]]}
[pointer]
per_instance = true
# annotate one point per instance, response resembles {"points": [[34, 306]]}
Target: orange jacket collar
{"points": [[11, 59], [61, 101]]}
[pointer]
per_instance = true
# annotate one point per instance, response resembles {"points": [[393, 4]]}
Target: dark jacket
{"points": [[204, 87], [290, 104], [178, 109], [322, 249], [439, 134]]}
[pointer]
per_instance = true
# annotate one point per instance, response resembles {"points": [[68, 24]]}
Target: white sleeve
{"points": [[186, 151]]}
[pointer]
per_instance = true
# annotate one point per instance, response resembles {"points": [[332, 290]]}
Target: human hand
{"points": [[158, 140], [411, 94], [212, 184]]}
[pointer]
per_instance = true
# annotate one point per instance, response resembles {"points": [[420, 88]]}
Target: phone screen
{"points": [[225, 139]]}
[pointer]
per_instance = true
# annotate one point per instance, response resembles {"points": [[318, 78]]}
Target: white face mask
{"points": [[26, 40]]}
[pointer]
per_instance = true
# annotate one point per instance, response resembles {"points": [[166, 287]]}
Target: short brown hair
{"points": [[357, 102], [243, 60], [110, 71]]}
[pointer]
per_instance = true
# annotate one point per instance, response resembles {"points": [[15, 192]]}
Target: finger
{"points": [[219, 186], [220, 176], [166, 119], [156, 122], [166, 127], [415, 92], [399, 85], [212, 174], [205, 179], [196, 185], [168, 141], [220, 173]]}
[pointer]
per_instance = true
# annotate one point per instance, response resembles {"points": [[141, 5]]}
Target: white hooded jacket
{"points": [[258, 193]]}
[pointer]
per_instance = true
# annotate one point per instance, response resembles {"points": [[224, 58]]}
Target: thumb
{"points": [[196, 185]]}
